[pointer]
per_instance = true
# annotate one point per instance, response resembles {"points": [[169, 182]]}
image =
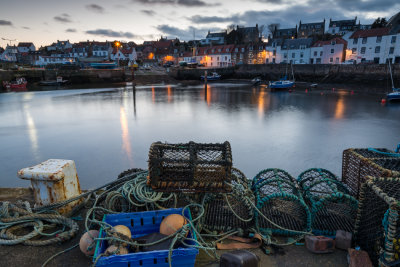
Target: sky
{"points": [[45, 21]]}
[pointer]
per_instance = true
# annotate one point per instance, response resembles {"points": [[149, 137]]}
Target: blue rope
{"points": [[386, 153]]}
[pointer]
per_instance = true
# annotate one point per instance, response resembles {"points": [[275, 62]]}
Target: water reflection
{"points": [[292, 131], [126, 142], [32, 132]]}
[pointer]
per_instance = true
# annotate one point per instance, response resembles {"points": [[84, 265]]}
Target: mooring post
{"points": [[205, 84]]}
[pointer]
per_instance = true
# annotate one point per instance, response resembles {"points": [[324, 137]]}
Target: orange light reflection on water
{"points": [[169, 93], [340, 107], [126, 142], [153, 95], [208, 99]]}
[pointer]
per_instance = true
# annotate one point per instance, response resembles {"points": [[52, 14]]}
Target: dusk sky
{"points": [[45, 21]]}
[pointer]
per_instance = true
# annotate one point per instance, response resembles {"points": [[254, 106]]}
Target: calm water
{"points": [[109, 130]]}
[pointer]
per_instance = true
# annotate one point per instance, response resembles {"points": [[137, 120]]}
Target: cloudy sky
{"points": [[45, 21]]}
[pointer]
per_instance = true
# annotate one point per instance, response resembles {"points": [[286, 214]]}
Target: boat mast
{"points": [[291, 65], [391, 76]]}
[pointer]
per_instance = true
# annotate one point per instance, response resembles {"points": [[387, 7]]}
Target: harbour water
{"points": [[106, 131]]}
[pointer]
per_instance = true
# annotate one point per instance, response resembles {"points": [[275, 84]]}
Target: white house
{"points": [[328, 52], [374, 45], [216, 38], [60, 45], [124, 54], [45, 60], [101, 51], [26, 47], [215, 56], [295, 51], [9, 54]]}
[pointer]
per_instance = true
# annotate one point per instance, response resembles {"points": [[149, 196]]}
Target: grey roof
{"points": [[216, 34], [247, 30], [296, 43], [338, 23], [311, 25]]}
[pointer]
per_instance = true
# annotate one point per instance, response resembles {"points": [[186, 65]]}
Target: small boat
{"points": [[59, 81], [283, 83], [314, 85], [104, 65], [19, 85], [256, 81], [213, 77], [395, 94]]}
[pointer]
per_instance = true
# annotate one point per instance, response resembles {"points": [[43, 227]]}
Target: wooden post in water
{"points": [[205, 84]]}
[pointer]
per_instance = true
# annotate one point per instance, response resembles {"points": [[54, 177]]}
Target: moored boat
{"points": [[58, 81], [395, 94], [213, 77], [19, 85], [283, 83]]}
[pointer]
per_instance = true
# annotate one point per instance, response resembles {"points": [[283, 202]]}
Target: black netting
{"points": [[190, 167]]}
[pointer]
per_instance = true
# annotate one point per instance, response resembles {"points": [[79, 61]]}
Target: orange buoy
{"points": [[172, 223], [86, 243], [123, 230], [383, 101]]}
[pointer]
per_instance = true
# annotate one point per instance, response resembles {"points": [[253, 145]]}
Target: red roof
{"points": [[214, 50], [337, 40], [163, 44], [25, 44], [370, 33]]}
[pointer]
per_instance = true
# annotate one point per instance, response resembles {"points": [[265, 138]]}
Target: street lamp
{"points": [[10, 40], [117, 44]]}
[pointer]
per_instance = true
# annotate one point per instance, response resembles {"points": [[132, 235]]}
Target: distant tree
{"points": [[271, 27], [262, 30], [379, 23]]}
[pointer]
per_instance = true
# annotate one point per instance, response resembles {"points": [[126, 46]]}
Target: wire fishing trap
{"points": [[190, 167], [377, 227], [358, 163], [225, 212], [280, 206], [332, 208]]}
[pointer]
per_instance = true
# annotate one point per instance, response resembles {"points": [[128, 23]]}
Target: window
{"points": [[301, 54], [337, 60], [393, 39], [355, 40], [333, 31], [318, 61], [391, 50], [217, 58], [377, 49], [320, 54], [241, 56], [242, 49], [364, 40], [293, 55], [315, 53], [354, 50], [285, 55], [226, 58], [219, 50], [274, 53], [363, 50], [332, 51], [331, 59], [378, 39], [236, 49]]}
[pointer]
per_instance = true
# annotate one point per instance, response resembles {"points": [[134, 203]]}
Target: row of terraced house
{"points": [[343, 41]]}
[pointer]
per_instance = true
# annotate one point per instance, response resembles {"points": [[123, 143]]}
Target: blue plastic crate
{"points": [[140, 224]]}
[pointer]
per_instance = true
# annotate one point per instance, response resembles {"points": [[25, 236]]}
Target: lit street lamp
{"points": [[117, 44]]}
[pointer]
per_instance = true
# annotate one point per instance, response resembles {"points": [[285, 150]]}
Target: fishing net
{"points": [[190, 167], [357, 165], [281, 205], [377, 230], [230, 211], [332, 208]]}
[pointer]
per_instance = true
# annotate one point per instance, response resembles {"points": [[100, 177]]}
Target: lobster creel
{"points": [[230, 211], [377, 227], [356, 166], [332, 208], [281, 208], [190, 167]]}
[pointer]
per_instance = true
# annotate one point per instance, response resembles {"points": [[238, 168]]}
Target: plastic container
{"points": [[140, 224]]}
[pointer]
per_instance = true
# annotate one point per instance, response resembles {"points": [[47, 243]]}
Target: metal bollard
{"points": [[53, 180]]}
